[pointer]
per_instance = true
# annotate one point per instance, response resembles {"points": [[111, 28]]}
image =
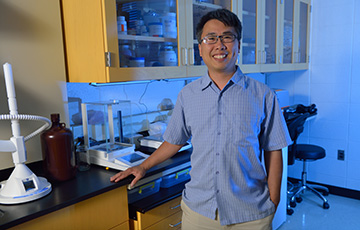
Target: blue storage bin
{"points": [[143, 191], [175, 178]]}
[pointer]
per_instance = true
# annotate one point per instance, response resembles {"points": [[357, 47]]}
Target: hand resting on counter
{"points": [[164, 152], [137, 171]]}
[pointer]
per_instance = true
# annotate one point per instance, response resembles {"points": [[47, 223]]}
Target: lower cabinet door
{"points": [[104, 211]]}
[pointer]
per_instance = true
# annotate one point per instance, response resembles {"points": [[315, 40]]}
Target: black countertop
{"points": [[85, 185]]}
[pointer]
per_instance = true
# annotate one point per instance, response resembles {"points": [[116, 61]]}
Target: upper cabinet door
{"points": [[260, 42], [249, 13], [122, 40], [302, 34], [287, 32], [147, 33], [146, 42], [295, 26], [268, 54], [194, 10]]}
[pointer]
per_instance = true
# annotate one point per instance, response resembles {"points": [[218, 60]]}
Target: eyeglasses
{"points": [[212, 39]]}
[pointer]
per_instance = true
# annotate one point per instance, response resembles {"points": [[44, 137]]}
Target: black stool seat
{"points": [[309, 152]]}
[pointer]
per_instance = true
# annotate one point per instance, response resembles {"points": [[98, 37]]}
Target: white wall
{"points": [[31, 41], [332, 83]]}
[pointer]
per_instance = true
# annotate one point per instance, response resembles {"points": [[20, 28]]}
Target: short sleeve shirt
{"points": [[228, 128]]}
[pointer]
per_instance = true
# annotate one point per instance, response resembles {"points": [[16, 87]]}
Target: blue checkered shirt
{"points": [[228, 131]]}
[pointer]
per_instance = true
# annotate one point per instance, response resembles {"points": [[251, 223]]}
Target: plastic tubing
{"points": [[28, 118]]}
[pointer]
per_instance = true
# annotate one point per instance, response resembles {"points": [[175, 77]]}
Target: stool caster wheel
{"points": [[292, 204], [298, 199], [326, 205], [289, 211]]}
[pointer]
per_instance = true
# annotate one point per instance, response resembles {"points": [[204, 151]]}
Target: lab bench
{"points": [[90, 199]]}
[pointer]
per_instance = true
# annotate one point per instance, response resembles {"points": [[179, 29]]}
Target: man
{"points": [[230, 118]]}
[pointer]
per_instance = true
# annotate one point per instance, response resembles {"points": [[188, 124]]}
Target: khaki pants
{"points": [[194, 221]]}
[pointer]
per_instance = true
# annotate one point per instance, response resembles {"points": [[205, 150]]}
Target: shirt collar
{"points": [[237, 78]]}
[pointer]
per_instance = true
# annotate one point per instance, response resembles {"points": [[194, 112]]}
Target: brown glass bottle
{"points": [[57, 145]]}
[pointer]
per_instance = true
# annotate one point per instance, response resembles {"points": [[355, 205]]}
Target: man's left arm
{"points": [[274, 169]]}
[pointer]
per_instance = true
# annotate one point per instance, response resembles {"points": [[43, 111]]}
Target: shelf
{"points": [[207, 5], [289, 22], [244, 44], [146, 38], [247, 13]]}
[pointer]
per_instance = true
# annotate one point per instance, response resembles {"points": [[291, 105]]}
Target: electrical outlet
{"points": [[341, 155]]}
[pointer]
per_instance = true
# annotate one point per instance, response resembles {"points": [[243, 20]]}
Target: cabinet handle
{"points": [[107, 59], [191, 55], [297, 57], [174, 225], [175, 207], [183, 56]]}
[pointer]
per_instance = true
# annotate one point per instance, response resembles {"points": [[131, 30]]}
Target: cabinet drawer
{"points": [[172, 222], [157, 214]]}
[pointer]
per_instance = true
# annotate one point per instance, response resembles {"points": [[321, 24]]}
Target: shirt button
{"points": [[217, 172], [217, 154], [219, 113], [218, 133], [217, 191]]}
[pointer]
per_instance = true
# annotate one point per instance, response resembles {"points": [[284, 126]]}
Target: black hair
{"points": [[223, 15]]}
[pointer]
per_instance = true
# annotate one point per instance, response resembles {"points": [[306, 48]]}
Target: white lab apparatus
{"points": [[23, 185], [108, 153]]}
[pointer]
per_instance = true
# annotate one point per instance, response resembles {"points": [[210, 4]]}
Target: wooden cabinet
{"points": [[96, 51], [105, 211], [275, 35], [93, 44], [165, 216]]}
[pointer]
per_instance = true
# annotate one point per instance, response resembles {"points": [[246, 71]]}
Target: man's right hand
{"points": [[164, 152], [137, 171]]}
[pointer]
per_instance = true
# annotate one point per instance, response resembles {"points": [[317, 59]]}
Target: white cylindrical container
{"points": [[168, 56], [122, 25], [137, 62], [169, 23], [156, 29]]}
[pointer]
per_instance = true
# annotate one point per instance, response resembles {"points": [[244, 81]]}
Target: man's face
{"points": [[219, 57]]}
